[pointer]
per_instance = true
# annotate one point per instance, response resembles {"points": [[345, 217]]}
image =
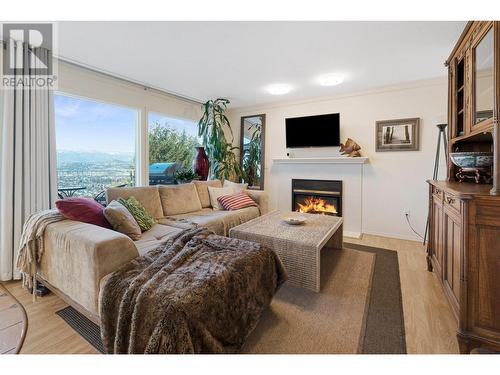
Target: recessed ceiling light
{"points": [[279, 89], [330, 79]]}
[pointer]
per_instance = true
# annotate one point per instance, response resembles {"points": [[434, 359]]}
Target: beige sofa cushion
{"points": [[122, 220], [202, 188], [179, 199], [148, 196], [218, 221], [78, 255], [261, 198], [156, 236]]}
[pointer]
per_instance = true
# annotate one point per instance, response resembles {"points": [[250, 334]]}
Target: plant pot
{"points": [[201, 164]]}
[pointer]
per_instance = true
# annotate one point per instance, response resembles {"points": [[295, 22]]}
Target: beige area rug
{"points": [[13, 323], [359, 310], [302, 321]]}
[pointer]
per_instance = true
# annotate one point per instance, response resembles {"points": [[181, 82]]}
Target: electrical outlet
{"points": [[406, 212]]}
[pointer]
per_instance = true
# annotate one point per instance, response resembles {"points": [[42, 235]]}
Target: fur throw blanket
{"points": [[200, 293], [31, 245]]}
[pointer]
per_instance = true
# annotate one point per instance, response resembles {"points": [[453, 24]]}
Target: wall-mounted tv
{"points": [[313, 131]]}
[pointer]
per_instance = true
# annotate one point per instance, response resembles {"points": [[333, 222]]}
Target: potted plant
{"points": [[185, 175], [212, 128]]}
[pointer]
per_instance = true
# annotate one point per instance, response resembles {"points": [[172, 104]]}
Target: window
{"points": [[172, 143], [95, 145]]}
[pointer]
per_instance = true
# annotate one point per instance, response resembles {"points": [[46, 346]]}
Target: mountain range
{"points": [[68, 156]]}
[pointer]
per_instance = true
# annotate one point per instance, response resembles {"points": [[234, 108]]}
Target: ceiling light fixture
{"points": [[330, 80], [279, 89]]}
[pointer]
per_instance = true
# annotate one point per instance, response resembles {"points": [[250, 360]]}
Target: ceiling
{"points": [[237, 60]]}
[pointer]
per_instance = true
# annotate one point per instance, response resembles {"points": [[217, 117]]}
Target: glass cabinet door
{"points": [[459, 104], [483, 79]]}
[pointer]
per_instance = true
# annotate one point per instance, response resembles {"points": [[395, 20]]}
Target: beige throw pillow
{"points": [[122, 220], [236, 187], [216, 193], [179, 199], [202, 187]]}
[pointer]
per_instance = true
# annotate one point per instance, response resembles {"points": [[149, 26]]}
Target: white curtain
{"points": [[28, 181]]}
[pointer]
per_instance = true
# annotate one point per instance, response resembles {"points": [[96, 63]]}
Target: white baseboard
{"points": [[348, 233], [358, 235], [397, 236]]}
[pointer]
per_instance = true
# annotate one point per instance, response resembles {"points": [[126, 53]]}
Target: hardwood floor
{"points": [[429, 323], [47, 332], [13, 323]]}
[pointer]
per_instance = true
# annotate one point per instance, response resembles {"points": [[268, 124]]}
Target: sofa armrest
{"points": [[262, 199], [78, 255]]}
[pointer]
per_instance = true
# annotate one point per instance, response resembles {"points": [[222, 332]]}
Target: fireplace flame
{"points": [[316, 206]]}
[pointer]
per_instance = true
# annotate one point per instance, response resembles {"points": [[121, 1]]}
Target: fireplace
{"points": [[317, 196]]}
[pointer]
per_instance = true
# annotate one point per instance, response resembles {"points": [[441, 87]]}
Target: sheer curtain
{"points": [[28, 181]]}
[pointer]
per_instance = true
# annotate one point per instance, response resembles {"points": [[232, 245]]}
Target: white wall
{"points": [[82, 82], [392, 181]]}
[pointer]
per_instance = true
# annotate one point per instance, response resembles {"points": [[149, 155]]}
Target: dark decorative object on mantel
{"points": [[201, 164], [351, 148]]}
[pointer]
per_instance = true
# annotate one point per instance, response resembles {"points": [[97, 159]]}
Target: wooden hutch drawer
{"points": [[437, 194], [452, 202]]}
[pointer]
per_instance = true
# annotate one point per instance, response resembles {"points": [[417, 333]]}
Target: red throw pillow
{"points": [[81, 209], [236, 201]]}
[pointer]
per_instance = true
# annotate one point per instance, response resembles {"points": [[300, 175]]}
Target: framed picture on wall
{"points": [[397, 135]]}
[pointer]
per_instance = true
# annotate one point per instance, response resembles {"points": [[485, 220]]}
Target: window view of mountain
{"points": [[96, 145]]}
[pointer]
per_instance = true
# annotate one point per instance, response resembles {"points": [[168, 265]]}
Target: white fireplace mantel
{"points": [[348, 170], [322, 160]]}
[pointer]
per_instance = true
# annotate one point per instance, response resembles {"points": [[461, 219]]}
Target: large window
{"points": [[95, 145], [172, 143]]}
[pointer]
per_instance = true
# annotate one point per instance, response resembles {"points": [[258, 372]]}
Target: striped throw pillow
{"points": [[236, 201]]}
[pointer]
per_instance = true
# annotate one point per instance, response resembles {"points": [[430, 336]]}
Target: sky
{"points": [[86, 125]]}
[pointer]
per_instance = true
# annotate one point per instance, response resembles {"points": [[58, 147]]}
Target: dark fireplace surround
{"points": [[327, 192]]}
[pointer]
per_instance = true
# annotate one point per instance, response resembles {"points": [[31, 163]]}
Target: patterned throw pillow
{"points": [[143, 218], [236, 201]]}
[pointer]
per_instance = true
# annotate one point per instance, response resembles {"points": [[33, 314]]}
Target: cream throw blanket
{"points": [[31, 245]]}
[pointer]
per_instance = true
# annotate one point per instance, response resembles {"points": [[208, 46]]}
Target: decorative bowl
{"points": [[294, 220], [472, 159]]}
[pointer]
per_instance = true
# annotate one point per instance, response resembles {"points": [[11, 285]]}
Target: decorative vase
{"points": [[200, 163]]}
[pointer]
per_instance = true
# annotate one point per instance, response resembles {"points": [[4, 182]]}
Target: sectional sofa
{"points": [[77, 256]]}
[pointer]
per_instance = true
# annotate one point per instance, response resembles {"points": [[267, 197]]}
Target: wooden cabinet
{"points": [[464, 218], [464, 252], [474, 96], [452, 255], [436, 230]]}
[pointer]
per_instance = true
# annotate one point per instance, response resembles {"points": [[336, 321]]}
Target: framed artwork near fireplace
{"points": [[397, 135]]}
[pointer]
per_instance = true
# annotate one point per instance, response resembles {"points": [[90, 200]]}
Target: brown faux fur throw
{"points": [[200, 293]]}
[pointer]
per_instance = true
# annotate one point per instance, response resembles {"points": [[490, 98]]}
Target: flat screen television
{"points": [[313, 131]]}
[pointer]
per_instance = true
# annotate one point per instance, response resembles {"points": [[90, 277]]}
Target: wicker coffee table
{"points": [[298, 246]]}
